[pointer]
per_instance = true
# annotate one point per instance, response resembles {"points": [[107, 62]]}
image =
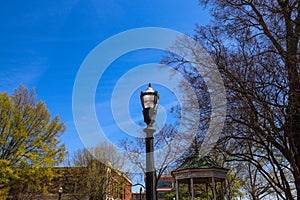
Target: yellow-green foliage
{"points": [[4, 193], [29, 141]]}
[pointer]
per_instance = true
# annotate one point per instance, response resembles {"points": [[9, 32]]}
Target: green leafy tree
{"points": [[29, 142]]}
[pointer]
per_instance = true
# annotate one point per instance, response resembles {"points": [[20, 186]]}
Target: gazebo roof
{"points": [[198, 162]]}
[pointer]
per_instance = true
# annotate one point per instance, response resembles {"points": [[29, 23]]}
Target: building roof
{"points": [[198, 162]]}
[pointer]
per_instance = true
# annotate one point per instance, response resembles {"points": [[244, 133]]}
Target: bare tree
{"points": [[255, 45], [93, 174]]}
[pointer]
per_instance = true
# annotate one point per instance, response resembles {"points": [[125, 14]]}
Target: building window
{"points": [[160, 195], [161, 184]]}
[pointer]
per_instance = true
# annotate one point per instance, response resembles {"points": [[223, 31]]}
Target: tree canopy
{"points": [[256, 47]]}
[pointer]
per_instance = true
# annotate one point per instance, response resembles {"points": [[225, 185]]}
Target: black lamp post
{"points": [[60, 190], [149, 100]]}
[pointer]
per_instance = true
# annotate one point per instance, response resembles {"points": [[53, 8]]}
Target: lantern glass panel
{"points": [[148, 100]]}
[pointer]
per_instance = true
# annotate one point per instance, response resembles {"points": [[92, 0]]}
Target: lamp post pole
{"points": [[149, 100], [150, 170], [60, 190]]}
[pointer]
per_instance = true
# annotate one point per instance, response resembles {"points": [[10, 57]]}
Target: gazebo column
{"points": [[189, 190], [214, 187], [192, 187], [177, 189], [223, 187], [207, 194]]}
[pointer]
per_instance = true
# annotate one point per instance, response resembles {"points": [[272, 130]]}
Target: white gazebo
{"points": [[201, 170]]}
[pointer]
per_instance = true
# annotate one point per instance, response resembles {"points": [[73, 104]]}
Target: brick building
{"points": [[165, 184], [139, 196], [109, 182]]}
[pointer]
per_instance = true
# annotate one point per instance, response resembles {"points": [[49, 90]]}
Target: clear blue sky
{"points": [[43, 44]]}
